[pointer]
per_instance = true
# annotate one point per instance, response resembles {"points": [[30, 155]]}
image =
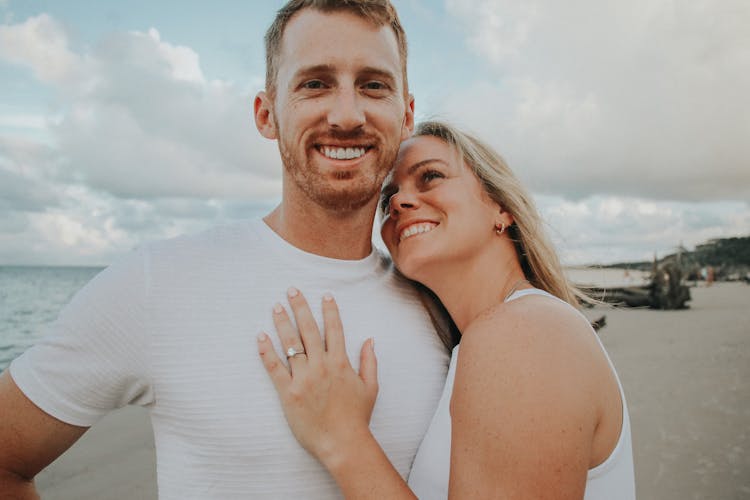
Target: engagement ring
{"points": [[291, 352]]}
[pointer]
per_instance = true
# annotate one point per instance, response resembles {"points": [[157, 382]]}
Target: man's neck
{"points": [[327, 233]]}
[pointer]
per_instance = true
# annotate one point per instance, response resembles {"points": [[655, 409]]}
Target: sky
{"points": [[122, 123]]}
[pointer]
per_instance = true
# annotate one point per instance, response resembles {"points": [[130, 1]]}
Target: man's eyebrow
{"points": [[379, 72], [311, 70], [369, 71]]}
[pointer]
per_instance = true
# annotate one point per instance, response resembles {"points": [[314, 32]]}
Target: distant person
{"points": [[172, 326], [532, 407]]}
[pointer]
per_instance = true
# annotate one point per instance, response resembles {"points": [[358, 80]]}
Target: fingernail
{"points": [[262, 337], [372, 344], [277, 308], [292, 292], [327, 297]]}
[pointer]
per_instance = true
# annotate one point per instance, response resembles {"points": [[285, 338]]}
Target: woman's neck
{"points": [[468, 289]]}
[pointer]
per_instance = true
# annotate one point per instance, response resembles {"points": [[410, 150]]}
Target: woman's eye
{"points": [[431, 175]]}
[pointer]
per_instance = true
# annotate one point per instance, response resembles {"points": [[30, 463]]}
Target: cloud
{"points": [[139, 145], [23, 121], [41, 44], [24, 169], [138, 118], [635, 99], [606, 229]]}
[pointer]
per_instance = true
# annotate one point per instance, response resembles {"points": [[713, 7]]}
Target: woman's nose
{"points": [[402, 201]]}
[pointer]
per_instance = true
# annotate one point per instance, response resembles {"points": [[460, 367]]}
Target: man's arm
{"points": [[30, 439]]}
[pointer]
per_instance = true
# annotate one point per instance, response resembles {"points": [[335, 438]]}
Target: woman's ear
{"points": [[504, 217]]}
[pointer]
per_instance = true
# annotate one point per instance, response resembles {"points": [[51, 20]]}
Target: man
{"points": [[172, 327]]}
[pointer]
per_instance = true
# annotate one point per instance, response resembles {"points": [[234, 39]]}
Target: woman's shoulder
{"points": [[534, 317], [529, 389], [534, 333]]}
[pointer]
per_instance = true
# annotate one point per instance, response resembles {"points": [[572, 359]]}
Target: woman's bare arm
{"points": [[524, 407]]}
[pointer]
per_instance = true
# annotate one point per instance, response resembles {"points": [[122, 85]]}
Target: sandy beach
{"points": [[683, 372]]}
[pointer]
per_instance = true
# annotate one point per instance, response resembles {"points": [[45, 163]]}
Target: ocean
{"points": [[30, 299]]}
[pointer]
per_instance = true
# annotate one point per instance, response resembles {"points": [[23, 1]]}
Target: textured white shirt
{"points": [[613, 479], [173, 327]]}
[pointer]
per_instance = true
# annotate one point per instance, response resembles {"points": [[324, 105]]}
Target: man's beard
{"points": [[311, 181]]}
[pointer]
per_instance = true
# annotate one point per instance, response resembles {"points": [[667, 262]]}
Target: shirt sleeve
{"points": [[94, 357]]}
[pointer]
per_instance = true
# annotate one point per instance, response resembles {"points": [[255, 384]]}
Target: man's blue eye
{"points": [[313, 84]]}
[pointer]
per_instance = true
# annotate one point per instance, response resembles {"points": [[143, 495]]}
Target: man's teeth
{"points": [[416, 229], [343, 153]]}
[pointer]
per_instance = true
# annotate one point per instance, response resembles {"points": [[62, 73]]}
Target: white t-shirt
{"points": [[173, 327], [613, 479]]}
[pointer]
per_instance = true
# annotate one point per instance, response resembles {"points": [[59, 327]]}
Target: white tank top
{"points": [[613, 479]]}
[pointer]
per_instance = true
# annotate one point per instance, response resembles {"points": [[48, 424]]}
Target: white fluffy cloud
{"points": [[140, 120], [139, 145], [644, 98], [41, 44]]}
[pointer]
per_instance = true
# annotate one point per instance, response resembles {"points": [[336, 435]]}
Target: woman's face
{"points": [[436, 212]]}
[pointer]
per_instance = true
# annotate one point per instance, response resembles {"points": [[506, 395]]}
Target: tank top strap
{"points": [[530, 291]]}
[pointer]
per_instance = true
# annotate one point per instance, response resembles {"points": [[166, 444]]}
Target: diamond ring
{"points": [[291, 352]]}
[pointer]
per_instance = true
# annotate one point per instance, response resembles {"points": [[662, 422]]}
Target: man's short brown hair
{"points": [[378, 12]]}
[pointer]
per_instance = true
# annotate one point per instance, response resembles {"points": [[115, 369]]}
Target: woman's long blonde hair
{"points": [[535, 252]]}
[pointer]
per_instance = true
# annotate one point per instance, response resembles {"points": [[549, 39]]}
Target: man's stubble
{"points": [[363, 185]]}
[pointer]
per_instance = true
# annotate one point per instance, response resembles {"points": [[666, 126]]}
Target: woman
{"points": [[532, 407]]}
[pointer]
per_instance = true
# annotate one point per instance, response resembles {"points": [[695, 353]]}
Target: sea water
{"points": [[30, 299]]}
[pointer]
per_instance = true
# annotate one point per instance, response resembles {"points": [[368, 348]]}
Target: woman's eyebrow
{"points": [[416, 166], [391, 186]]}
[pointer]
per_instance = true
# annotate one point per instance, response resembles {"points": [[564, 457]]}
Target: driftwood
{"points": [[666, 291], [600, 323]]}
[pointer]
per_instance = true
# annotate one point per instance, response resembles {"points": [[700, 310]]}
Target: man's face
{"points": [[340, 110]]}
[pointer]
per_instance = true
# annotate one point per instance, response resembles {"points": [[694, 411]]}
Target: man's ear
{"points": [[264, 120], [408, 126]]}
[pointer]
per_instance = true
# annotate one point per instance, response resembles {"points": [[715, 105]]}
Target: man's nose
{"points": [[346, 112]]}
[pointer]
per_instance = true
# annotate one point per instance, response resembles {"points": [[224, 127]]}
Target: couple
{"points": [[170, 327], [532, 407]]}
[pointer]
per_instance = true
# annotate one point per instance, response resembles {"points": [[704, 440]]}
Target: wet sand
{"points": [[684, 374]]}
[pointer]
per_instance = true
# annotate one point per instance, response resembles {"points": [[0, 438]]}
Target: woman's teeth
{"points": [[416, 229]]}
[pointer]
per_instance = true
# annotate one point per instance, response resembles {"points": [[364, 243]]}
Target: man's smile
{"points": [[342, 153]]}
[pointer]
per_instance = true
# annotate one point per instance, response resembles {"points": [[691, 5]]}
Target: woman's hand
{"points": [[327, 404]]}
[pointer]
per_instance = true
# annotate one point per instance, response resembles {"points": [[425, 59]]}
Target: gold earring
{"points": [[500, 228]]}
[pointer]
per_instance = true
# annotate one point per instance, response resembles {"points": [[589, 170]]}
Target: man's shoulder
{"points": [[215, 238]]}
